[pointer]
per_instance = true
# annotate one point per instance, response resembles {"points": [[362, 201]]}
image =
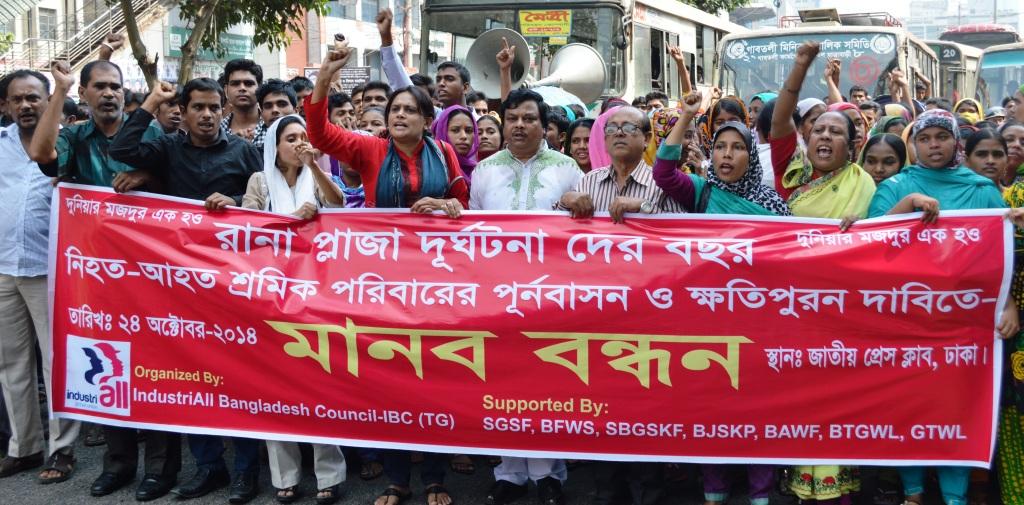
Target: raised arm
{"points": [[505, 57], [898, 85], [679, 57], [832, 71], [789, 95], [43, 148], [128, 146], [389, 62], [674, 183], [345, 146], [924, 80]]}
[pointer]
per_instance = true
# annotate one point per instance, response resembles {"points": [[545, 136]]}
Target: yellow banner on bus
{"points": [[551, 23]]}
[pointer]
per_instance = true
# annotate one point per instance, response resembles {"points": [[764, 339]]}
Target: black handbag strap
{"points": [[705, 197]]}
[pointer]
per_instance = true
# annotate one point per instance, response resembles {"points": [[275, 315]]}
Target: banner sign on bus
{"points": [[549, 23], [668, 338]]}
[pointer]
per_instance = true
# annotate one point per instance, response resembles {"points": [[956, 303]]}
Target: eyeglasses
{"points": [[627, 128]]}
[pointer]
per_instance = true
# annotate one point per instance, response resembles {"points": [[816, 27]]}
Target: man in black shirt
{"points": [[208, 164], [205, 164]]}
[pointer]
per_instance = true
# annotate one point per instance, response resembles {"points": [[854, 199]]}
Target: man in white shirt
{"points": [[24, 313], [525, 176]]}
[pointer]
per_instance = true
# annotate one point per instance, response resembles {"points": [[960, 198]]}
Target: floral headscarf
{"points": [[440, 131], [716, 109], [661, 125], [749, 187], [938, 118]]}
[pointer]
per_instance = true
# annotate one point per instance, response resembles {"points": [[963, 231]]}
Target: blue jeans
{"points": [[953, 481], [208, 451]]}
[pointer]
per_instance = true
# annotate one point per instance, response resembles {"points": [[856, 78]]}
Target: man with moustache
{"points": [[525, 176], [210, 164], [80, 153], [25, 226]]}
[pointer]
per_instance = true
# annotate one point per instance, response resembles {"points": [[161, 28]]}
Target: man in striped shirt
{"points": [[627, 185]]}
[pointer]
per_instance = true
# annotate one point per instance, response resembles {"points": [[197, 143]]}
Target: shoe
{"points": [[11, 465], [204, 481], [108, 482], [549, 491], [153, 486], [244, 487], [503, 492]]}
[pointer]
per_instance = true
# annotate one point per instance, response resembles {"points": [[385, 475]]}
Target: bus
{"points": [[759, 61], [632, 36], [1002, 72], [981, 35], [958, 70]]}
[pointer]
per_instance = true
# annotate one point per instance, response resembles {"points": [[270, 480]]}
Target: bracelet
{"points": [[108, 46]]}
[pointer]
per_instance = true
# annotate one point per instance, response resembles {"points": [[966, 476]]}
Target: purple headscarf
{"points": [[599, 156], [440, 131]]}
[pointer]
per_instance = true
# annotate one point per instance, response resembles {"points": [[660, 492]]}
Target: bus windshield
{"points": [[981, 40], [596, 27], [1001, 75], [755, 64]]}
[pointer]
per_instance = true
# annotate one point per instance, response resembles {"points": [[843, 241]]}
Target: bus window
{"points": [[641, 59], [658, 60], [672, 73], [706, 44]]}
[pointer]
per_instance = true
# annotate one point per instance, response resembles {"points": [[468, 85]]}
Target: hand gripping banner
{"points": [[667, 338]]}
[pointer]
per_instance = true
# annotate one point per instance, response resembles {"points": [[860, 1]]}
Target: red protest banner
{"points": [[671, 338]]}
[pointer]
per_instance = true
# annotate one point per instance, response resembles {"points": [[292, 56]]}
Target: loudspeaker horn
{"points": [[486, 75], [578, 69]]}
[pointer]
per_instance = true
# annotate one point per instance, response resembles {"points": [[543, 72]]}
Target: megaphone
{"points": [[486, 72], [578, 69]]}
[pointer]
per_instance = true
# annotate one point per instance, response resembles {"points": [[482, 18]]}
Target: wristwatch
{"points": [[647, 207]]}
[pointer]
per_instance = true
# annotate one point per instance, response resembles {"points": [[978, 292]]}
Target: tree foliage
{"points": [[713, 6], [6, 41], [273, 21]]}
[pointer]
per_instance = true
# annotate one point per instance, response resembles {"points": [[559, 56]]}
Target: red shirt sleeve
{"points": [[361, 152], [460, 190], [783, 150]]}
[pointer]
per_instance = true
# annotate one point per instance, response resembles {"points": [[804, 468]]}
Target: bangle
{"points": [[108, 46]]}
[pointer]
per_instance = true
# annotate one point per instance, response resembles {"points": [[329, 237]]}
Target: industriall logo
{"points": [[98, 375]]}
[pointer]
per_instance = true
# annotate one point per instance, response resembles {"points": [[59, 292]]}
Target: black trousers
{"points": [[643, 483], [162, 452]]}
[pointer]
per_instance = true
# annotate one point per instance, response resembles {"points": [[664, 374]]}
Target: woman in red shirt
{"points": [[407, 170]]}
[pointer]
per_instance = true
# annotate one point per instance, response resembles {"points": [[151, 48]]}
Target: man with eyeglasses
{"points": [[240, 80], [627, 185], [525, 176]]}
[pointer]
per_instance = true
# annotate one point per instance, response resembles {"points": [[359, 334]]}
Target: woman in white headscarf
{"points": [[291, 182]]}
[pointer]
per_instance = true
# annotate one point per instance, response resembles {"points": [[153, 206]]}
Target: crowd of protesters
{"points": [[434, 145]]}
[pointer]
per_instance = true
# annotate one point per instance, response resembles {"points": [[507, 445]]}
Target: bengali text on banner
{"points": [[667, 338]]}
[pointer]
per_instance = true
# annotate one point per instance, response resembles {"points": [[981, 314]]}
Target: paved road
{"points": [[22, 489]]}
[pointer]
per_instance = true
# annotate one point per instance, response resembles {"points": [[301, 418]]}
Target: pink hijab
{"points": [[599, 156]]}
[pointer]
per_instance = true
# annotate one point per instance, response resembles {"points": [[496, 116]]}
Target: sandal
{"points": [[11, 465], [61, 463], [391, 492], [290, 498], [371, 470], [461, 463], [328, 495], [436, 489]]}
